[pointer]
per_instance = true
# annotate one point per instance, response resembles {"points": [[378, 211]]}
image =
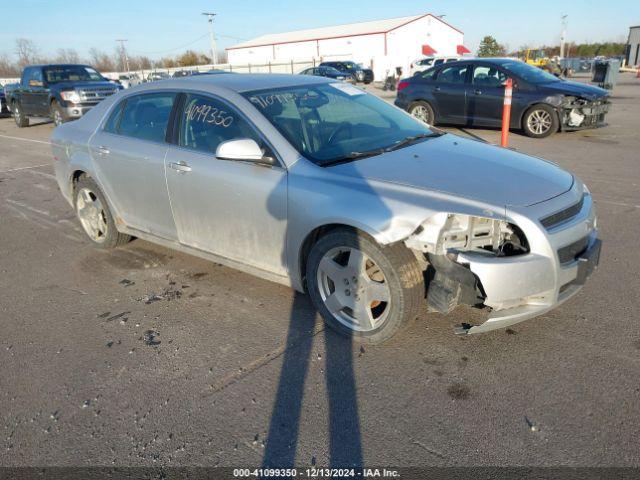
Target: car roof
{"points": [[60, 65], [238, 83]]}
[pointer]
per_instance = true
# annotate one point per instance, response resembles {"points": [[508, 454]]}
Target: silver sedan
{"points": [[318, 185]]}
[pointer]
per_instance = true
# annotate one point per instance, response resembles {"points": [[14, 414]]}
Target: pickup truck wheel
{"points": [[422, 111], [57, 114], [540, 121], [95, 216], [364, 290], [18, 116]]}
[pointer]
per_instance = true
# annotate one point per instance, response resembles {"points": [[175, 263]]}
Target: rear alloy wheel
{"points": [[18, 116], [95, 217], [540, 121], [422, 111], [361, 289]]}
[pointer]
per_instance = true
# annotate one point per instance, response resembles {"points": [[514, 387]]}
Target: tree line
{"points": [[490, 47], [27, 53]]}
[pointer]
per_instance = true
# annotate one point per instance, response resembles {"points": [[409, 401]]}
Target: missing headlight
{"points": [[450, 233]]}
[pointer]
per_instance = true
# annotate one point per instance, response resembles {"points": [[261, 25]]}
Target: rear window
{"points": [[143, 116]]}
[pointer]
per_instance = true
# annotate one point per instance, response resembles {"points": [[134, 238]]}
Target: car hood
{"points": [[466, 168], [87, 85], [575, 88]]}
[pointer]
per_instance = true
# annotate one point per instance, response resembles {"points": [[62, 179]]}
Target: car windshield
{"points": [[528, 73], [331, 70], [334, 122], [71, 73]]}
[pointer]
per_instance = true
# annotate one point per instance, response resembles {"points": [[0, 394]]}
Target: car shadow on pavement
{"points": [[345, 448]]}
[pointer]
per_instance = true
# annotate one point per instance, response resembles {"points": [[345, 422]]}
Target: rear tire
{"points": [[540, 121], [18, 116], [364, 290], [95, 217], [423, 111]]}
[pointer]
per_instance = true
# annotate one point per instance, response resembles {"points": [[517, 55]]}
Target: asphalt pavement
{"points": [[146, 356]]}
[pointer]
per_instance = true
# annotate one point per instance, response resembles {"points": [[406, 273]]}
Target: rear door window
{"points": [[146, 116], [455, 74]]}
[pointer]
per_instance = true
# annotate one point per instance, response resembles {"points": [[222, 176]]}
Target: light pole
{"points": [[563, 35], [123, 54], [214, 55]]}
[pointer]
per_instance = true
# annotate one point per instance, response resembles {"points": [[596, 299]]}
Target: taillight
{"points": [[402, 85]]}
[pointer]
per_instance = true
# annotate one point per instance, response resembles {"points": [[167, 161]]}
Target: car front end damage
{"points": [[516, 265], [577, 113]]}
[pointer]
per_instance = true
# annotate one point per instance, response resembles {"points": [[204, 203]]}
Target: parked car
{"points": [[62, 92], [128, 80], [329, 72], [184, 73], [360, 73], [4, 109], [321, 186], [155, 76], [8, 90], [471, 93], [424, 63]]}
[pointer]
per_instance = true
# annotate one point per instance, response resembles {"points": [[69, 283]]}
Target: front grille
{"points": [[96, 94], [572, 251], [563, 215]]}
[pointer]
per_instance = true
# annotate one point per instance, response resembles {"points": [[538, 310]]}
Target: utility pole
{"points": [[123, 53], [214, 55], [563, 35]]}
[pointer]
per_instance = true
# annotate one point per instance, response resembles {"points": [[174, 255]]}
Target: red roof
{"points": [[462, 50]]}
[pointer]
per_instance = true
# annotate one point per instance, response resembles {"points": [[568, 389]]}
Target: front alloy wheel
{"points": [[540, 121], [354, 289], [362, 289]]}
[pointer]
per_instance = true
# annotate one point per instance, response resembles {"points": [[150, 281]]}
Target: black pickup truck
{"points": [[61, 92]]}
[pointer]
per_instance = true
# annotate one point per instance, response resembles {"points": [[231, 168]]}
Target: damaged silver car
{"points": [[320, 186]]}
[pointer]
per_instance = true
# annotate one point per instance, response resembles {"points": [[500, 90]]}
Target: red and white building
{"points": [[381, 45]]}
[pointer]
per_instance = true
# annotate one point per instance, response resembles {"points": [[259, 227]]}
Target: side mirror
{"points": [[35, 83], [243, 149]]}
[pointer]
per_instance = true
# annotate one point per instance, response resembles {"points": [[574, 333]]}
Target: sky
{"points": [[159, 28]]}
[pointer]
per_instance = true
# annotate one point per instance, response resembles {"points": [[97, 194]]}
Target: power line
{"points": [[173, 49]]}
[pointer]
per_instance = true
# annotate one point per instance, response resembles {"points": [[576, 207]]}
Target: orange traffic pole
{"points": [[506, 112]]}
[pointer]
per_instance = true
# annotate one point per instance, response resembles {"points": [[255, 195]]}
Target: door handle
{"points": [[437, 89], [478, 92], [102, 150], [180, 167]]}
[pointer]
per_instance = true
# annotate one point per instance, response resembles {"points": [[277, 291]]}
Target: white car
{"points": [[129, 80], [422, 64]]}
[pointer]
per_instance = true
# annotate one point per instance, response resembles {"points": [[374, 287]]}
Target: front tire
{"points": [[18, 115], [57, 114], [540, 121], [94, 215], [364, 290], [423, 111]]}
